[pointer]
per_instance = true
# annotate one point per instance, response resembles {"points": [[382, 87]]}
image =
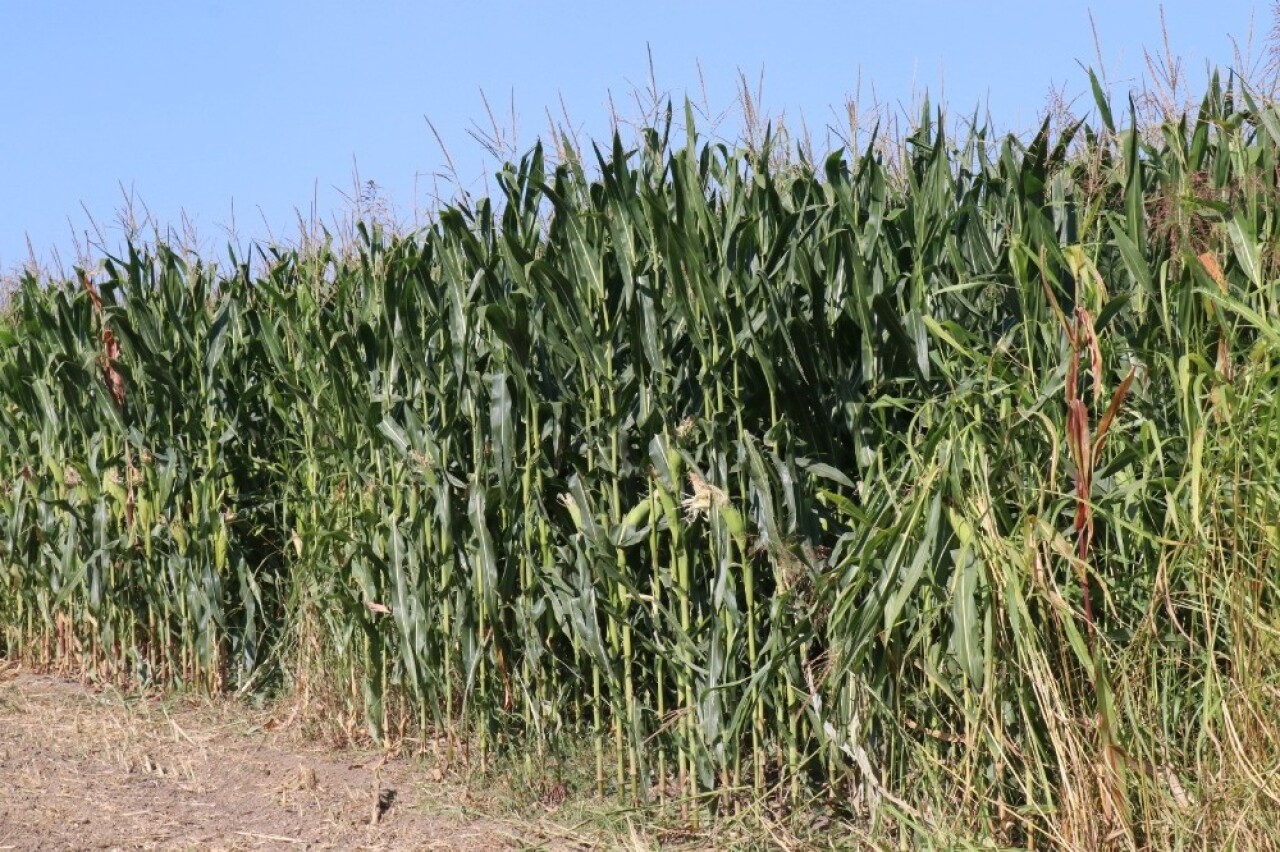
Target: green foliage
{"points": [[950, 483]]}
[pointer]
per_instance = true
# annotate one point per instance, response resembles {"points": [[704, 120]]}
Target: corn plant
{"points": [[944, 490]]}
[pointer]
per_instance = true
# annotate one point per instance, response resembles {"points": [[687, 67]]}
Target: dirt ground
{"points": [[82, 768]]}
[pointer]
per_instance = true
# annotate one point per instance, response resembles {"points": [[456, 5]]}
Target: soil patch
{"points": [[87, 768]]}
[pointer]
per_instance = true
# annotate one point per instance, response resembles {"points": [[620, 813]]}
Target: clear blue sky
{"points": [[199, 105]]}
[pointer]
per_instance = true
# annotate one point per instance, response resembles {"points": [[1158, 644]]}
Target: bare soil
{"points": [[86, 768]]}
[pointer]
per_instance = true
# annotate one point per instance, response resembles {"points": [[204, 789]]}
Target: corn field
{"points": [[943, 489]]}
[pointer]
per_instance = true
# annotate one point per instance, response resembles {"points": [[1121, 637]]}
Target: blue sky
{"points": [[254, 112]]}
